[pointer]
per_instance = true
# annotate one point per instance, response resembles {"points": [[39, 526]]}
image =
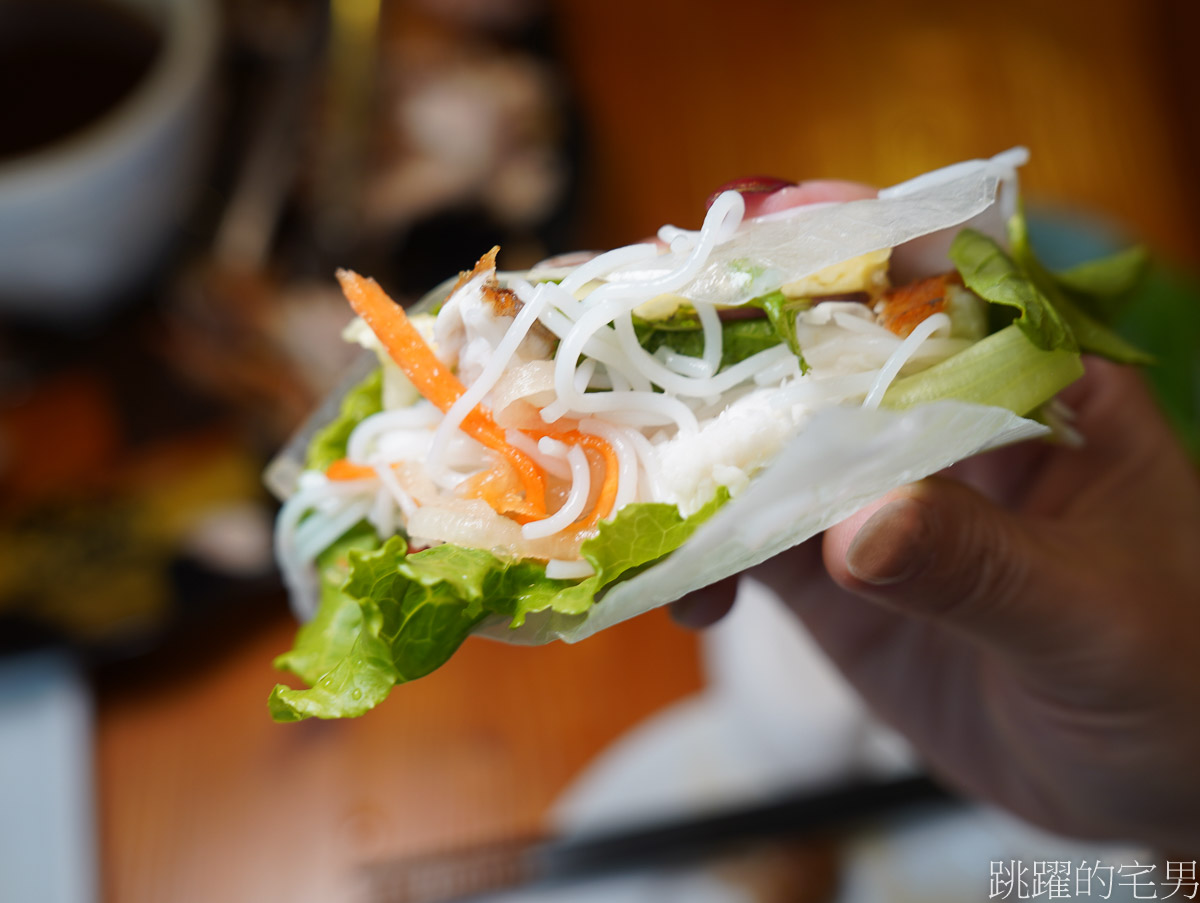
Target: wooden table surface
{"points": [[202, 798]]}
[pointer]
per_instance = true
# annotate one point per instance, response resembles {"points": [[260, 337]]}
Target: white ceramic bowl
{"points": [[83, 220]]}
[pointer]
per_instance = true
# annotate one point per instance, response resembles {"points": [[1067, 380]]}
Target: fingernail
{"points": [[892, 545]]}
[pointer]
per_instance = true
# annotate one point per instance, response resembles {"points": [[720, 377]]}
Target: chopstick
{"points": [[470, 872]]}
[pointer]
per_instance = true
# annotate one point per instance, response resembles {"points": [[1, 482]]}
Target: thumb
{"points": [[938, 550]]}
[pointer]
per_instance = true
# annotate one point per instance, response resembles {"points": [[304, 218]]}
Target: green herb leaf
{"points": [[1096, 338], [683, 319], [992, 275], [1165, 316], [1108, 282], [781, 311], [1090, 334], [740, 339]]}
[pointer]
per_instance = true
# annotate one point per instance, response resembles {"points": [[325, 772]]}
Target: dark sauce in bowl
{"points": [[64, 64]]}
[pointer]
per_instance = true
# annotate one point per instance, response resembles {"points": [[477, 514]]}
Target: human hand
{"points": [[1030, 619]]}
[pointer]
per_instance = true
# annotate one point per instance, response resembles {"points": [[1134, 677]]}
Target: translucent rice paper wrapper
{"points": [[770, 251], [780, 248], [843, 459]]}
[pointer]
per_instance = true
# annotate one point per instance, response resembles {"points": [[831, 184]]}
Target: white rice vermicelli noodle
{"points": [[908, 347], [572, 507]]}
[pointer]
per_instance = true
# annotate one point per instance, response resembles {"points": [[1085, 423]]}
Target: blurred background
{"points": [[178, 181]]}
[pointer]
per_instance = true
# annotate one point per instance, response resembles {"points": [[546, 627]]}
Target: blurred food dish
{"points": [[89, 202]]}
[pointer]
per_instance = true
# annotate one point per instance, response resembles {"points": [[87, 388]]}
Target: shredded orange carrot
{"points": [[341, 469], [600, 450], [434, 380], [608, 489]]}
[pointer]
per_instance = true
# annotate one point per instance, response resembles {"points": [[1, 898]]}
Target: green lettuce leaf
{"points": [[639, 535], [329, 443], [416, 610], [994, 276], [428, 602], [328, 637]]}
